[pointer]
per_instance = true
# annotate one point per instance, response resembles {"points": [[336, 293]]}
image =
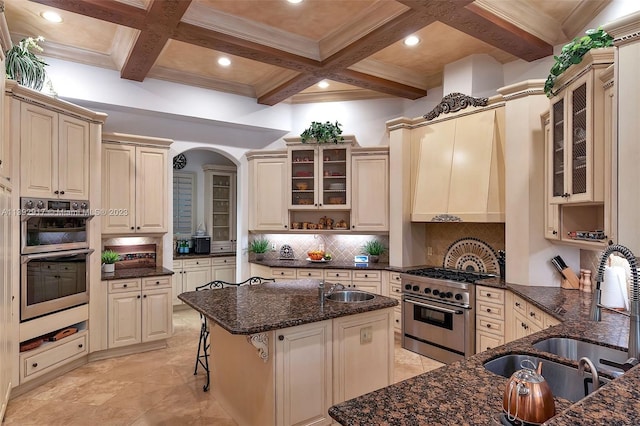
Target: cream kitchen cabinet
{"points": [[220, 211], [268, 191], [524, 318], [191, 273], [368, 280], [139, 310], [362, 344], [296, 348], [576, 146], [224, 269], [319, 177], [370, 190], [134, 185], [490, 318], [8, 344], [395, 291], [54, 154]]}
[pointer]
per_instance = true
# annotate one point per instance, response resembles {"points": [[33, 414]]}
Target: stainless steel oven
{"points": [[54, 225], [438, 320], [54, 281]]}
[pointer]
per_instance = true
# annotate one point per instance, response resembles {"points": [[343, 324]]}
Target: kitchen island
{"points": [[282, 355], [466, 393]]}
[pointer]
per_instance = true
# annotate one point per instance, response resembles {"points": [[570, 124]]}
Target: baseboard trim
{"points": [[128, 350]]}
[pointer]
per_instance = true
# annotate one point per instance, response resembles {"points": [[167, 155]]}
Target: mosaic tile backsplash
{"points": [[440, 236], [342, 247]]}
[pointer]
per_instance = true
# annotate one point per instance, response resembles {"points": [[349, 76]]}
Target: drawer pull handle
{"points": [[281, 273], [532, 314], [397, 290], [34, 365], [337, 275], [488, 294], [157, 282], [80, 345], [366, 276], [145, 296], [488, 347], [124, 285], [397, 320], [488, 325], [518, 304], [488, 309]]}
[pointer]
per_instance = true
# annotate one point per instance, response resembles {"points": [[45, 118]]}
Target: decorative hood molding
{"points": [[454, 102]]}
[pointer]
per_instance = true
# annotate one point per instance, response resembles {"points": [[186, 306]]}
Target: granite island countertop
{"points": [[273, 306], [466, 393]]}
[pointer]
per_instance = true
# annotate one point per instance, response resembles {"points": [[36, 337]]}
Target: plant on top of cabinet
{"points": [[24, 66], [320, 133], [573, 52], [374, 249]]}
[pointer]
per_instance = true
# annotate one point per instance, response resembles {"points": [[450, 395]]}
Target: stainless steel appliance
{"points": [[53, 225], [54, 242], [437, 308], [54, 281]]}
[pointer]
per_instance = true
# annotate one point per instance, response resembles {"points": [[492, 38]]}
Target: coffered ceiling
{"points": [[279, 51]]}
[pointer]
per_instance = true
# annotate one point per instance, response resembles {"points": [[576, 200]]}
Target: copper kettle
{"points": [[527, 396]]}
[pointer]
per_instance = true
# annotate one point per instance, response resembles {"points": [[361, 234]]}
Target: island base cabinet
{"points": [[304, 374], [363, 353]]}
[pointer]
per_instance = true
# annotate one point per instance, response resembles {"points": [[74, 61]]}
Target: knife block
{"points": [[570, 280]]}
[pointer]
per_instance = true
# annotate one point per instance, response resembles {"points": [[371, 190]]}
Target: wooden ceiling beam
{"points": [[160, 22], [377, 84], [288, 89], [479, 23], [110, 11]]}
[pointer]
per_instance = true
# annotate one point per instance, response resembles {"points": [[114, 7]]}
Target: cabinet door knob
{"points": [[397, 290], [138, 296], [555, 232], [281, 337], [518, 304], [145, 296], [34, 365], [80, 345], [56, 192], [62, 192], [138, 227], [488, 309], [532, 314], [132, 228]]}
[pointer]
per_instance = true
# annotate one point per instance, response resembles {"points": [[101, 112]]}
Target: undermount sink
{"points": [[601, 356], [350, 296], [565, 382]]}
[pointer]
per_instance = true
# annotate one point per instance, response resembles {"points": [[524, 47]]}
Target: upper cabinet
{"points": [[134, 184], [55, 139], [268, 199], [320, 177], [370, 189], [460, 171], [579, 133], [577, 126], [220, 212]]}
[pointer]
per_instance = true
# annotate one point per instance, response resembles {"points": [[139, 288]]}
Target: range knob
{"points": [[83, 206], [427, 290], [442, 295], [28, 204], [435, 292], [458, 296], [407, 286], [416, 288], [40, 205], [449, 295], [74, 206]]}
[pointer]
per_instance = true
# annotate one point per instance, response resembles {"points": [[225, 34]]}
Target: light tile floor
{"points": [[151, 388]]}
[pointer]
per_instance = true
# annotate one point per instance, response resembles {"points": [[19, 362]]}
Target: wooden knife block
{"points": [[570, 280]]}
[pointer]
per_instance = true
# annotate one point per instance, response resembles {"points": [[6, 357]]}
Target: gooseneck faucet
{"points": [[634, 297]]}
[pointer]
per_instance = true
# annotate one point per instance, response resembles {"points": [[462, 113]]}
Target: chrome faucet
{"points": [[634, 297], [594, 373], [333, 288]]}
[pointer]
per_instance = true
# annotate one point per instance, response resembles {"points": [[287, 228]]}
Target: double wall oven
{"points": [[55, 253], [438, 317]]}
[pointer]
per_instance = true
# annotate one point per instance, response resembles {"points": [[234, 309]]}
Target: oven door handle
{"points": [[26, 216], [435, 308], [28, 257]]}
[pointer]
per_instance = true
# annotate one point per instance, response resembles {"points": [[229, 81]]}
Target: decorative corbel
{"points": [[454, 102]]}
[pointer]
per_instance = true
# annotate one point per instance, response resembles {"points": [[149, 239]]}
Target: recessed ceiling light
{"points": [[323, 84], [295, 1], [51, 16], [411, 41], [225, 62]]}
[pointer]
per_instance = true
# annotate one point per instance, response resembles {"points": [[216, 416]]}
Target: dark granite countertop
{"points": [[334, 264], [465, 393], [177, 256], [272, 306], [127, 273]]}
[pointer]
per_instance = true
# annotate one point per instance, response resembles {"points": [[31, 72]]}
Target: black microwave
{"points": [[201, 245]]}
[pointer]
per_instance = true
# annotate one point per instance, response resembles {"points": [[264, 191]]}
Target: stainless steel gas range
{"points": [[438, 318]]}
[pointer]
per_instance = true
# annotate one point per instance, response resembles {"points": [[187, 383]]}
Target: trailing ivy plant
{"points": [[322, 133], [573, 52], [24, 66]]}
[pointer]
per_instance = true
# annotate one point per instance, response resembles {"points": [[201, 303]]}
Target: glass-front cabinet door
{"points": [[220, 213], [572, 116], [320, 177]]}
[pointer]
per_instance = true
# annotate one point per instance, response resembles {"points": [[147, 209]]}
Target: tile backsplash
{"points": [[342, 247], [135, 243], [440, 236]]}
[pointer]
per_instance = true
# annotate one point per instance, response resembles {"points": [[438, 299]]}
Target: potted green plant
{"points": [[374, 249], [259, 246], [320, 133], [24, 66], [573, 52], [109, 258]]}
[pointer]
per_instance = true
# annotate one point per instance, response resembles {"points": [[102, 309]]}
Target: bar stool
{"points": [[202, 357]]}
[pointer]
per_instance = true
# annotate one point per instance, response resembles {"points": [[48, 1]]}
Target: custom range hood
{"points": [[458, 165]]}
